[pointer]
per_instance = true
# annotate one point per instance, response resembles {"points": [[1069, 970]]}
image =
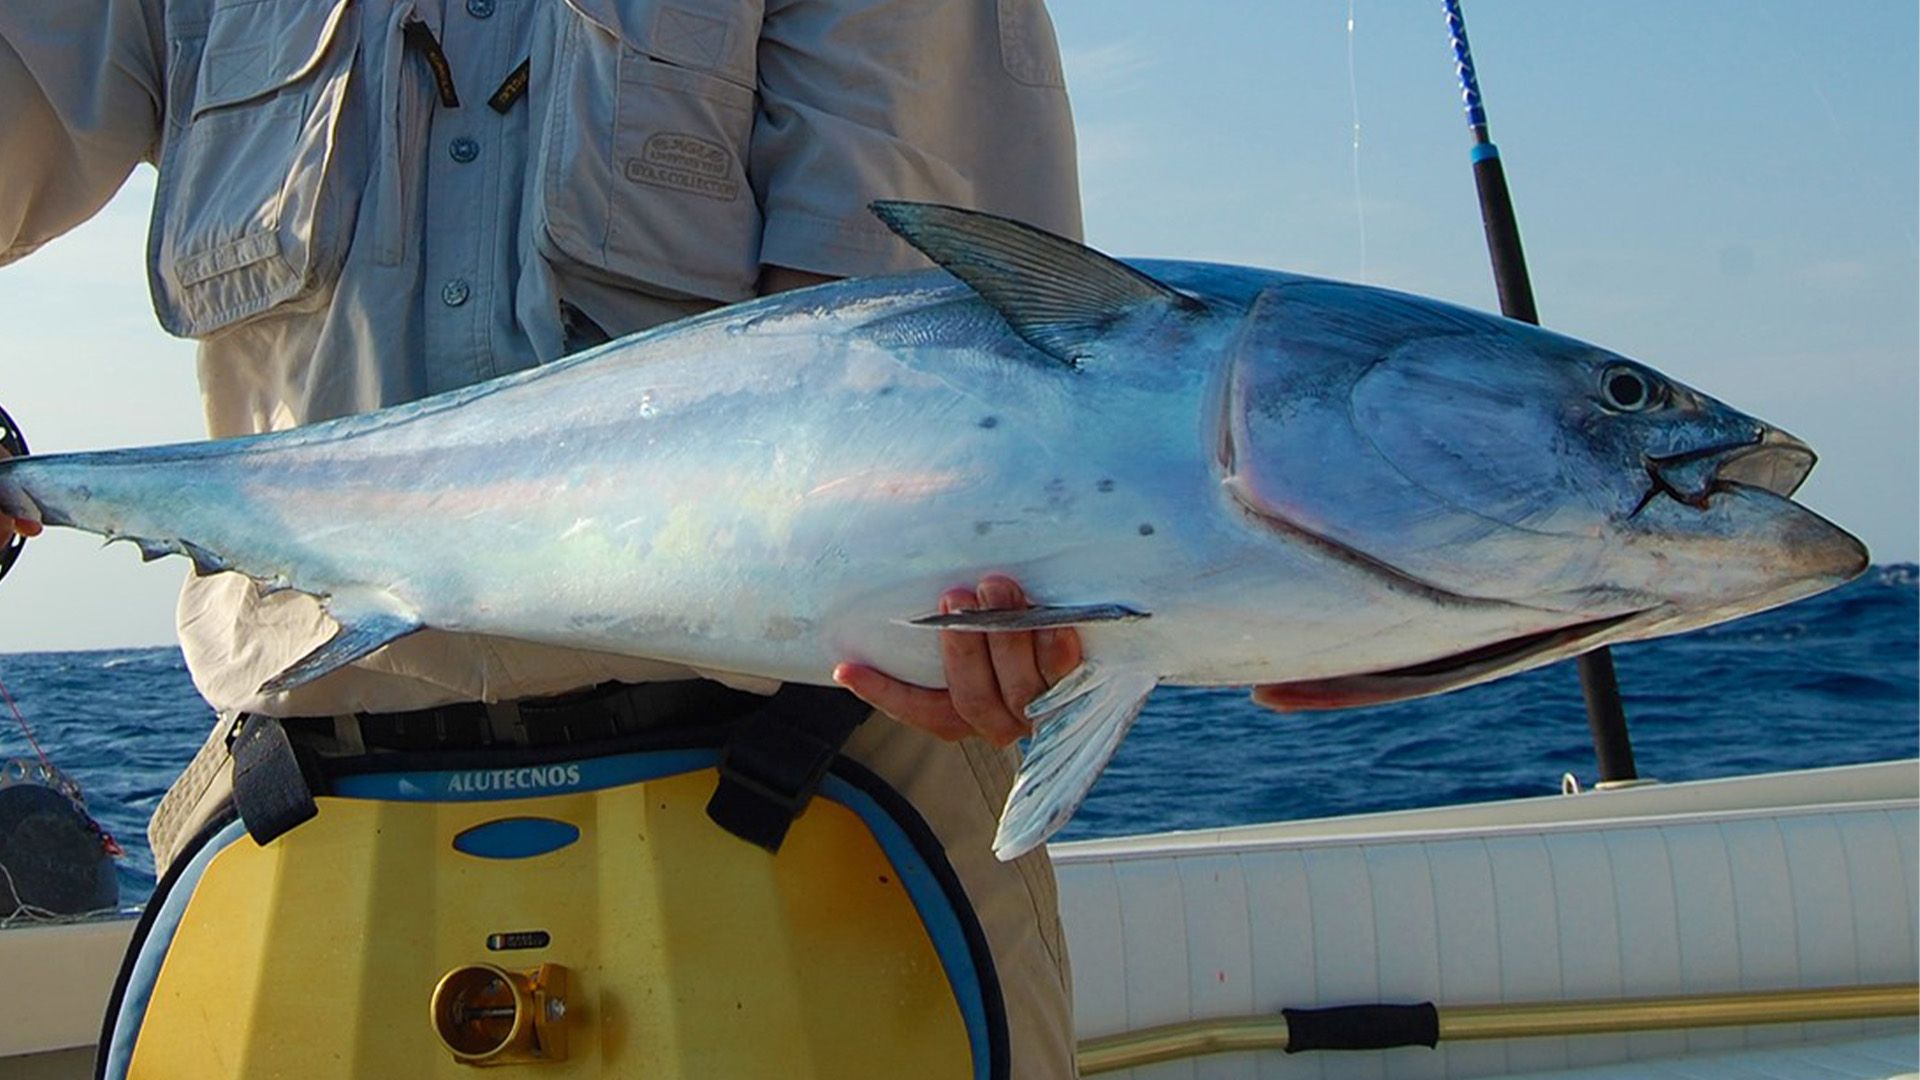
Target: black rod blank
{"points": [[1606, 716]]}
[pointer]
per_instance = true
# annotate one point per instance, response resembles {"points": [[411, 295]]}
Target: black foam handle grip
{"points": [[15, 445], [1362, 1027]]}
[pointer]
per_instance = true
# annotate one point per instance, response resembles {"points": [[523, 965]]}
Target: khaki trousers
{"points": [[959, 790]]}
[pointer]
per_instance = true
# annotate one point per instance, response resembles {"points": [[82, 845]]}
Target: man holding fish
{"points": [[361, 204], [1221, 476]]}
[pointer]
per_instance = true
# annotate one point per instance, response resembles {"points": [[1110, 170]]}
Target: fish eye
{"points": [[1626, 389]]}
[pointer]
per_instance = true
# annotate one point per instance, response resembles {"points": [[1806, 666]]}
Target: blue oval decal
{"points": [[516, 838]]}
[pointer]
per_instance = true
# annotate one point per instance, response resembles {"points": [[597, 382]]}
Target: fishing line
{"points": [[1353, 99], [23, 911], [60, 781], [26, 729]]}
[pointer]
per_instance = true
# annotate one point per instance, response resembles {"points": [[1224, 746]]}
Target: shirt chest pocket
{"points": [[643, 159], [255, 207]]}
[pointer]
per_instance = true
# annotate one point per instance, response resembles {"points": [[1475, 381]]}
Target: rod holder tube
{"points": [[1605, 718], [1520, 1020]]}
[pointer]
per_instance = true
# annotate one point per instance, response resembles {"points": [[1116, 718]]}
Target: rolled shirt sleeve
{"points": [[80, 106], [952, 101]]}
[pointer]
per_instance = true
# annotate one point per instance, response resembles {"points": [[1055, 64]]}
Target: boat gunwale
{"points": [[1610, 810]]}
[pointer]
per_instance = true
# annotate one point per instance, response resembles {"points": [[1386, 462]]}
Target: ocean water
{"points": [[1830, 681]]}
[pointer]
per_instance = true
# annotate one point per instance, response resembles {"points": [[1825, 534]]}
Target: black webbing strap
{"points": [[270, 790], [1362, 1027], [774, 760]]}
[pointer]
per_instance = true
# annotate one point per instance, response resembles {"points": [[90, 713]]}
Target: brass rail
{"points": [[1459, 1023]]}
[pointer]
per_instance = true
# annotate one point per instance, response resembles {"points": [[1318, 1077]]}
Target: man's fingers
{"points": [[991, 677], [1016, 664], [1059, 653], [916, 706], [967, 657]]}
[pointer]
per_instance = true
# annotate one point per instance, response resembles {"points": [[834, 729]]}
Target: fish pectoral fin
{"points": [[1058, 295], [1077, 726], [366, 624], [1043, 617]]}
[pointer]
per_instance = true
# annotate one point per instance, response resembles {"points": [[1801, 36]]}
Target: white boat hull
{"points": [[1799, 880], [1796, 880]]}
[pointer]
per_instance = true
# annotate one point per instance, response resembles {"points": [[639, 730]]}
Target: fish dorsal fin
{"points": [[1058, 295]]}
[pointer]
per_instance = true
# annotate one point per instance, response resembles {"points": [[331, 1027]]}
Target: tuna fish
{"points": [[1220, 476]]}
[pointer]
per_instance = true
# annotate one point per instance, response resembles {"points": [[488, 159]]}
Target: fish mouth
{"points": [[1771, 460], [1438, 676]]}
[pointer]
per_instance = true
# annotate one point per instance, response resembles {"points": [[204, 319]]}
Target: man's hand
{"points": [[990, 677], [11, 526]]}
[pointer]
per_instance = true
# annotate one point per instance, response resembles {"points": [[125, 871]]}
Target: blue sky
{"points": [[1725, 190]]}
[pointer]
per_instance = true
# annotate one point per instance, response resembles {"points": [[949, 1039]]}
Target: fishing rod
{"points": [[1606, 717]]}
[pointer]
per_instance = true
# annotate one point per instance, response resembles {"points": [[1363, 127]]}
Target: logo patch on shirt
{"points": [[685, 163]]}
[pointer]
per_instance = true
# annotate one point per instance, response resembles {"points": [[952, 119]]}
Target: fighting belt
{"points": [[546, 913]]}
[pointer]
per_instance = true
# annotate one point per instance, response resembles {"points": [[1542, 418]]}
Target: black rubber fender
{"points": [[52, 854]]}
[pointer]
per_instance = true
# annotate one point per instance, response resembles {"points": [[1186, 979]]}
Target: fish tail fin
{"points": [[118, 494], [18, 476], [63, 490]]}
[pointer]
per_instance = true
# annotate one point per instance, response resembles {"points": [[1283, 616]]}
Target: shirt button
{"points": [[480, 9], [463, 149], [455, 292]]}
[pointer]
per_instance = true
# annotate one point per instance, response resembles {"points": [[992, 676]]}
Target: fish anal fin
{"points": [[1058, 295], [1042, 617], [363, 629], [1077, 726]]}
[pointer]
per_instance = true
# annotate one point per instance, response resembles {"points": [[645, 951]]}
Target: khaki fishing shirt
{"points": [[363, 202]]}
